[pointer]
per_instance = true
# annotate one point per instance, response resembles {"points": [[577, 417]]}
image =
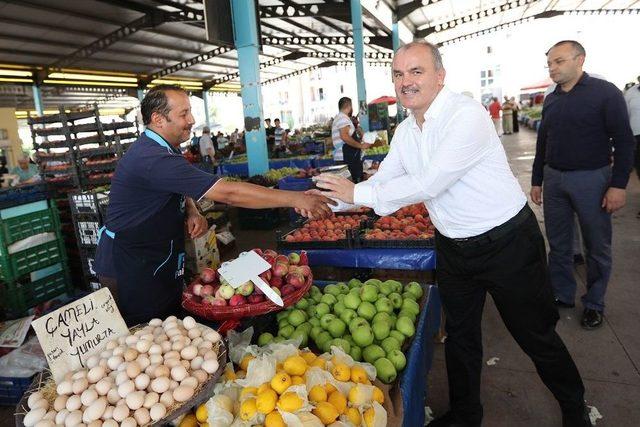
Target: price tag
{"points": [[248, 267]]}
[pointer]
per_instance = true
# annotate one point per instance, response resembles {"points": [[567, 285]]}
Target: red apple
{"points": [[282, 259], [294, 258], [207, 290], [288, 289], [270, 252], [304, 270], [255, 298], [296, 280], [280, 270], [258, 251], [208, 275], [266, 276], [276, 281], [237, 300], [196, 289], [304, 259]]}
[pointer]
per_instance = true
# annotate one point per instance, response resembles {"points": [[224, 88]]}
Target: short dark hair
{"points": [[577, 47], [276, 120], [156, 101], [343, 102], [267, 120]]}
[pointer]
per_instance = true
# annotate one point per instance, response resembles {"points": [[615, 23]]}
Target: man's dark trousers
{"points": [[513, 269], [582, 191]]}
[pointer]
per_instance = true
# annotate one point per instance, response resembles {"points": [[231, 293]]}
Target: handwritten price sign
{"points": [[78, 330]]}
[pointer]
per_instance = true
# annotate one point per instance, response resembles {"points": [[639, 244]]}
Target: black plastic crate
{"points": [[88, 259], [87, 229], [348, 243], [258, 219], [12, 389], [390, 244], [86, 202]]}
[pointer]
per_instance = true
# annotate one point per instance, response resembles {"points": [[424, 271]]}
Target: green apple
{"points": [[354, 283], [397, 287], [311, 310], [405, 325], [344, 289], [339, 307], [352, 300], [282, 323], [369, 293], [381, 317], [314, 321], [322, 309], [384, 305], [264, 339], [336, 327], [408, 295], [332, 290], [343, 344], [297, 317], [385, 370], [356, 353], [302, 336], [328, 299], [317, 298], [372, 353], [389, 286], [366, 310], [390, 343], [415, 289], [348, 315], [407, 313], [398, 359], [349, 338], [396, 299], [286, 331], [306, 327], [326, 346], [410, 305], [373, 282], [315, 331], [315, 290], [323, 337], [380, 330], [340, 297], [356, 323], [303, 304], [278, 339], [399, 336], [326, 319], [282, 315], [362, 336]]}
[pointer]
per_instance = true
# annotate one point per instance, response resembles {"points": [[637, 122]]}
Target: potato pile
{"points": [[135, 381]]}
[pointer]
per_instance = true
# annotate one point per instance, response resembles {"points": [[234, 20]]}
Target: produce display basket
{"points": [[347, 243], [391, 244], [225, 313], [42, 381]]}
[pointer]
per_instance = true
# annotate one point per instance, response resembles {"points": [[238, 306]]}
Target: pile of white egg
{"points": [[135, 380]]}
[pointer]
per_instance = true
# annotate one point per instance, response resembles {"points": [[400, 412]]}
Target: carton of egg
{"points": [[135, 380]]}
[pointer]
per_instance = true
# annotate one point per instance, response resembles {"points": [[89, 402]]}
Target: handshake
{"points": [[316, 204]]}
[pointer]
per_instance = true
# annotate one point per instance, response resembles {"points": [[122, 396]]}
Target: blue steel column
{"points": [[395, 40], [358, 47], [245, 34], [140, 94], [37, 99], [205, 98]]}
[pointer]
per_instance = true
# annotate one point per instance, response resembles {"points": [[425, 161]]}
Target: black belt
{"points": [[499, 231]]}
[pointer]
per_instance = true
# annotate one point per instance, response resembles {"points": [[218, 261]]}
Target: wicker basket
{"points": [[224, 313], [202, 394]]}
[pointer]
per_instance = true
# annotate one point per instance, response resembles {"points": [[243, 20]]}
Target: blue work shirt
{"points": [[581, 128], [146, 178]]}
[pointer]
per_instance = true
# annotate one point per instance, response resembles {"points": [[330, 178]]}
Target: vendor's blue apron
{"points": [[149, 261]]}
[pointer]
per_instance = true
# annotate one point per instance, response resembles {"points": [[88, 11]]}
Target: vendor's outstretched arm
{"points": [[252, 196]]}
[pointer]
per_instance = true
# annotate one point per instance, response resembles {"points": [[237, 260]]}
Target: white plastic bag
{"points": [[259, 371], [343, 357]]}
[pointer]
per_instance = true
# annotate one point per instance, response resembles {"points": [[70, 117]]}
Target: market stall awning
{"points": [[388, 99], [543, 84]]}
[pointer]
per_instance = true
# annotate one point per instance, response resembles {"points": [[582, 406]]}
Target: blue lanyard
{"points": [[157, 138]]}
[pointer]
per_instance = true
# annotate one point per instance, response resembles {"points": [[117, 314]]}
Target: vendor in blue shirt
{"points": [[26, 171], [140, 254]]}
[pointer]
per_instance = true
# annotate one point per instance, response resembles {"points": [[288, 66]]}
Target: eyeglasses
{"points": [[560, 61]]}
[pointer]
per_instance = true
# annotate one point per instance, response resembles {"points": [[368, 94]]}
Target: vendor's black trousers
{"points": [[512, 268]]}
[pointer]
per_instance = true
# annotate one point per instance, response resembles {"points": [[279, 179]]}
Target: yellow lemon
{"points": [[326, 412], [296, 380], [248, 409], [290, 402], [274, 419], [244, 363], [241, 374], [295, 365], [266, 401], [202, 414], [308, 357], [248, 390], [319, 363], [357, 396], [359, 375], [330, 388], [354, 416], [264, 387], [338, 400], [229, 374], [341, 372], [369, 417], [279, 367], [189, 420], [280, 382], [317, 394], [378, 395]]}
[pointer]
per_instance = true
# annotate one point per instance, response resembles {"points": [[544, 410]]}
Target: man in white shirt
{"points": [[206, 146], [448, 155], [632, 96], [346, 149]]}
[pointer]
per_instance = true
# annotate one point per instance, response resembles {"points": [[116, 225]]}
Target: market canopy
{"points": [[79, 51], [388, 99]]}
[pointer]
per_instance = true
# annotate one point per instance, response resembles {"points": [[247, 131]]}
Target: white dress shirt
{"points": [[455, 164], [632, 96]]}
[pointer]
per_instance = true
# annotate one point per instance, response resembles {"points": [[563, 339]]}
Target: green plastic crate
{"points": [[18, 228], [20, 263], [20, 296]]}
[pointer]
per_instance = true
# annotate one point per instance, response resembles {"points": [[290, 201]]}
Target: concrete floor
{"points": [[608, 358]]}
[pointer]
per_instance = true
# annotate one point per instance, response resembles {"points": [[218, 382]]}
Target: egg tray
{"points": [[43, 381]]}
